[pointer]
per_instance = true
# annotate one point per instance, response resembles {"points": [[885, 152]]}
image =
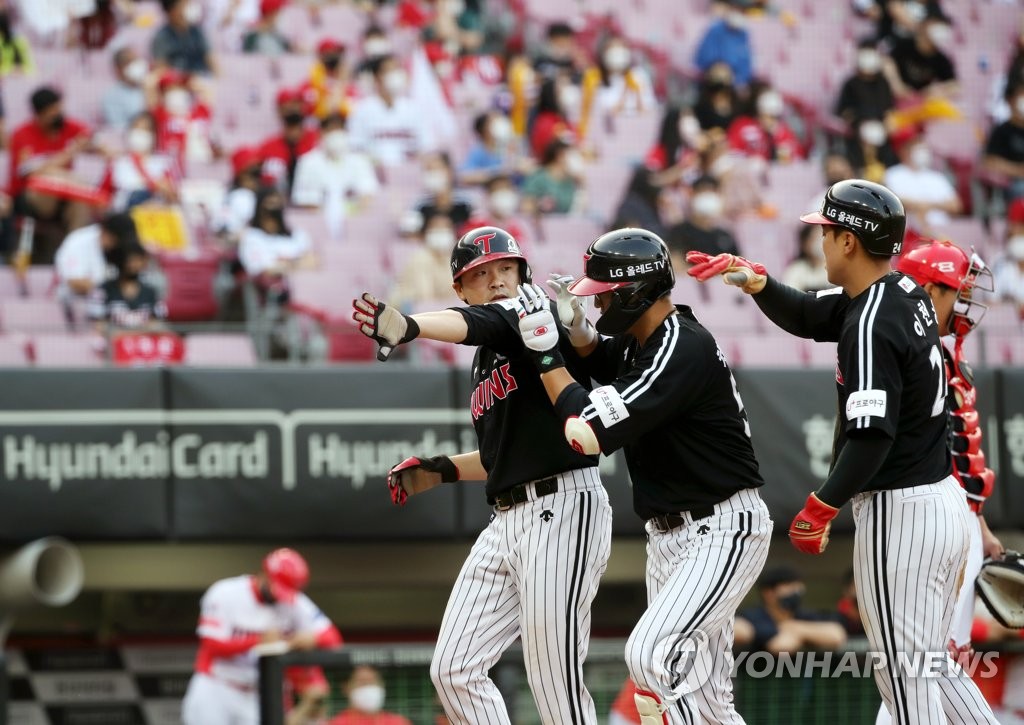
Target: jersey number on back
{"points": [[935, 358]]}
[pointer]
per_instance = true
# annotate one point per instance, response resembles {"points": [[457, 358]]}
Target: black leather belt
{"points": [[520, 494], [667, 522]]}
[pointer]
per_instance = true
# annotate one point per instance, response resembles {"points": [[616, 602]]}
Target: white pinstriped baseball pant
{"points": [[697, 575], [532, 574], [909, 552]]}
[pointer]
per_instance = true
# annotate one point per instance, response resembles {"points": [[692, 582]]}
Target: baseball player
{"points": [[669, 399], [533, 572], [891, 455], [239, 617]]}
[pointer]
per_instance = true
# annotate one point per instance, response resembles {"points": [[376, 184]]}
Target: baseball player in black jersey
{"points": [[668, 398], [534, 571], [891, 456]]}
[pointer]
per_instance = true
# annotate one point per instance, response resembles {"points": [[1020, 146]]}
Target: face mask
{"points": [[689, 129], [440, 239], [140, 140], [770, 104], [791, 602], [736, 19], [707, 204], [873, 133], [1015, 247], [574, 163], [293, 118], [455, 7], [617, 58], [193, 13], [136, 70], [129, 276], [869, 61], [501, 129], [569, 97], [335, 143], [435, 181], [940, 34], [375, 47], [178, 102], [368, 698], [920, 157], [504, 202], [57, 122], [394, 82]]}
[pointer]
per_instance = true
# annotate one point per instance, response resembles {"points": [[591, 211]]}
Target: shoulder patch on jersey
{"points": [[826, 292], [865, 403], [907, 284], [508, 304], [609, 405]]}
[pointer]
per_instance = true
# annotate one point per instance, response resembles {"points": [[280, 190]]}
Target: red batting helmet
{"points": [[287, 574], [946, 264]]}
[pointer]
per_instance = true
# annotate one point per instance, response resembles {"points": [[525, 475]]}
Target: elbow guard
{"points": [[581, 436]]}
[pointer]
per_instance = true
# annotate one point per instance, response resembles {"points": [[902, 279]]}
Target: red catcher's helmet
{"points": [[946, 264], [287, 573]]}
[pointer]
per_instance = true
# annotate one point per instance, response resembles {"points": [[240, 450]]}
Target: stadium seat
{"points": [[13, 351], [191, 287], [219, 350], [31, 315], [67, 350], [770, 351], [39, 282]]}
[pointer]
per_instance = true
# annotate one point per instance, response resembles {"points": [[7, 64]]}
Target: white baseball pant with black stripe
{"points": [[910, 550], [697, 575], [532, 574]]}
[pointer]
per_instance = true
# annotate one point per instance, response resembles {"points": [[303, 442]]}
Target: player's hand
{"points": [[537, 327], [416, 475], [302, 640], [383, 324], [572, 311], [271, 635], [750, 277], [990, 544], [810, 527]]}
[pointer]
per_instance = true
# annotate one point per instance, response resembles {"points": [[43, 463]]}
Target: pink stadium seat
{"points": [[39, 282], [31, 315], [190, 293], [67, 350], [219, 350], [1003, 349], [13, 351], [738, 319], [1000, 319], [770, 351], [821, 354]]}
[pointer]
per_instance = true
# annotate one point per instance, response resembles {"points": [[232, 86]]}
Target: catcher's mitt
{"points": [[1000, 585]]}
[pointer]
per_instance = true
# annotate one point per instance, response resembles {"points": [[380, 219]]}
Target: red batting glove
{"points": [[398, 494], [809, 530], [705, 266]]}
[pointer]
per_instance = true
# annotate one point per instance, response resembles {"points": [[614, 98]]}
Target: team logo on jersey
{"points": [[546, 515], [703, 529], [496, 387]]}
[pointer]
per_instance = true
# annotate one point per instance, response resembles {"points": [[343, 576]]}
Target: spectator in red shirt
{"points": [[183, 121], [365, 691], [551, 120], [281, 152], [767, 136], [44, 149]]}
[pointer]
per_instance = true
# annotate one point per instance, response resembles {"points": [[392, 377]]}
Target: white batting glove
{"points": [[572, 311], [537, 327]]}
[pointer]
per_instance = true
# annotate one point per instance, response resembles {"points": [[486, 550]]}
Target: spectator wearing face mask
{"points": [[702, 230], [551, 115], [240, 202], [365, 692], [281, 151], [727, 41], [330, 87], [501, 211], [427, 274], [493, 152], [718, 102], [1004, 150], [766, 136], [869, 151], [781, 624], [1008, 270], [866, 94], [927, 194], [183, 121], [139, 175], [614, 86], [126, 99], [181, 43], [675, 154], [442, 198], [554, 187], [835, 167], [806, 271], [387, 125], [920, 63], [331, 176], [270, 249], [561, 54], [81, 262], [127, 303], [265, 38], [641, 207]]}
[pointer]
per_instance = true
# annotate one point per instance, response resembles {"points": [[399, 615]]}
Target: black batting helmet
{"points": [[634, 265], [867, 209], [486, 244]]}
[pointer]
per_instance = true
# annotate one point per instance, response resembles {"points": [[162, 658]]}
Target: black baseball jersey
{"points": [[890, 374], [521, 439], [109, 303], [673, 406]]}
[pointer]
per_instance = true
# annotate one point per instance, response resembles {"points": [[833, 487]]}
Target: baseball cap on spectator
{"points": [[244, 158], [44, 97], [1015, 214], [290, 95], [269, 7], [170, 78], [330, 46]]}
